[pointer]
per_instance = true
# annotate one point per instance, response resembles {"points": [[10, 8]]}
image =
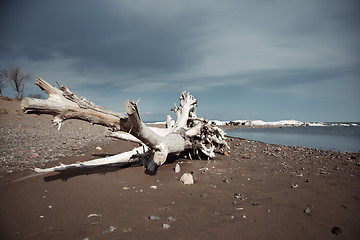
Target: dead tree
{"points": [[187, 135], [17, 79]]}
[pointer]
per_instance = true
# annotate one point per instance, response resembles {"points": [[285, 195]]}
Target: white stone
{"points": [[187, 179], [177, 168], [166, 226]]}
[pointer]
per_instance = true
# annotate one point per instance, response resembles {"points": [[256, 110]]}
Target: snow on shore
{"points": [[281, 123], [259, 123]]}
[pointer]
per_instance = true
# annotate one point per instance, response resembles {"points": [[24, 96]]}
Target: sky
{"points": [[256, 59]]}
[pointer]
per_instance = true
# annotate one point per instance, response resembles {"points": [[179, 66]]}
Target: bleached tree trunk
{"points": [[63, 105], [118, 160], [187, 134]]}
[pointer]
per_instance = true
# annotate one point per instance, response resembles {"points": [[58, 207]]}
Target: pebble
{"points": [[29, 145], [177, 168], [336, 230], [239, 196], [166, 226], [215, 212], [307, 211], [171, 219], [94, 215], [187, 179], [111, 229], [153, 217]]}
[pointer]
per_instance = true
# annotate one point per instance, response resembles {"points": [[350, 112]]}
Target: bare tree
{"points": [[3, 77], [16, 79]]}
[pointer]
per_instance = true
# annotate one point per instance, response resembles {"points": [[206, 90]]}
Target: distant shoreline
{"points": [[239, 124]]}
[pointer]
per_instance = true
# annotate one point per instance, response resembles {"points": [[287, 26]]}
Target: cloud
{"points": [[101, 34], [162, 47]]}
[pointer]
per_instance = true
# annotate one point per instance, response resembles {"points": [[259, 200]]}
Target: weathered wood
{"points": [[187, 134], [63, 107], [116, 160]]}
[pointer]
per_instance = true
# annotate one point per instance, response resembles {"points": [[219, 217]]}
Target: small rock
{"points": [[293, 185], [111, 229], [336, 230], [171, 219], [166, 226], [226, 181], [307, 211], [177, 168], [126, 230], [153, 187], [98, 148], [153, 217], [239, 196], [204, 170], [35, 155], [94, 215], [187, 179], [256, 204]]}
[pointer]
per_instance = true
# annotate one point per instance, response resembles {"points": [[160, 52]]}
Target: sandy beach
{"points": [[256, 191]]}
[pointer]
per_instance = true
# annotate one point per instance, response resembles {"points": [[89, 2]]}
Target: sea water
{"points": [[337, 138]]}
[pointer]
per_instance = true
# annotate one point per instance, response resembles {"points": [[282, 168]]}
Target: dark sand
{"points": [[258, 191]]}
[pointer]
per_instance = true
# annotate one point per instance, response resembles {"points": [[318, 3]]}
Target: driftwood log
{"points": [[189, 135]]}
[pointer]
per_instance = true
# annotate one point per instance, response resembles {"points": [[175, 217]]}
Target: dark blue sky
{"points": [[256, 59]]}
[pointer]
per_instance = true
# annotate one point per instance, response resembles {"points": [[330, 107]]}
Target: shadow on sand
{"points": [[75, 172]]}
